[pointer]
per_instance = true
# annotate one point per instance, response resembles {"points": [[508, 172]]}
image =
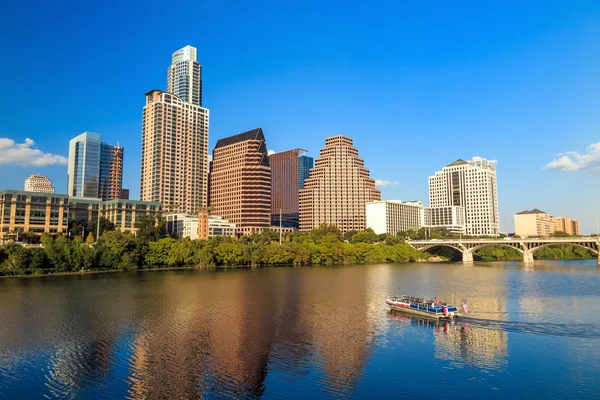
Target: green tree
{"points": [[151, 228], [349, 235], [105, 226], [366, 236], [326, 230]]}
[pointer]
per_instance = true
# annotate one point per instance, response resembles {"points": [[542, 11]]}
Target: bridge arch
{"points": [[431, 246], [541, 246], [515, 246]]}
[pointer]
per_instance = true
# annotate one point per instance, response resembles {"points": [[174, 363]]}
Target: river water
{"points": [[320, 332]]}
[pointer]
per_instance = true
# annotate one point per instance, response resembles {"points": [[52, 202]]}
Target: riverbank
{"points": [[150, 249]]}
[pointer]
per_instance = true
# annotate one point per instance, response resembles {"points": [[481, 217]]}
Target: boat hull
{"points": [[421, 313], [438, 313]]}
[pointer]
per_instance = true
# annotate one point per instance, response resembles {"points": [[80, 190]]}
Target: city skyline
{"points": [[526, 98]]}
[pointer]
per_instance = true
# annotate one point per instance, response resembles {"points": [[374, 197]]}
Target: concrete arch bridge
{"points": [[526, 246]]}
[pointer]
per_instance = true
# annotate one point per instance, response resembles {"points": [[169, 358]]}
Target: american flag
{"points": [[465, 307]]}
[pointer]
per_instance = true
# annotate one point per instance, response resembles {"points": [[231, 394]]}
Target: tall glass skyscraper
{"points": [[184, 77], [95, 168]]}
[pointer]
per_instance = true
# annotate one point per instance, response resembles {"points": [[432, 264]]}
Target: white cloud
{"points": [[382, 183], [574, 161], [25, 154], [270, 152]]}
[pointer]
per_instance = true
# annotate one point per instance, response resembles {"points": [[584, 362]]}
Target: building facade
{"points": [[393, 216], [450, 217], [213, 225], [95, 168], [84, 165], [567, 225], [471, 185], [289, 170], [184, 77], [338, 188], [38, 213], [124, 214], [240, 181], [111, 172], [174, 168], [38, 183], [183, 225], [534, 223]]}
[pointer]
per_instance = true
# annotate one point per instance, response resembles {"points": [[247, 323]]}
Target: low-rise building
{"points": [[533, 223], [538, 223], [183, 225], [201, 226], [38, 213], [214, 225], [393, 216], [449, 217], [124, 214], [566, 224]]}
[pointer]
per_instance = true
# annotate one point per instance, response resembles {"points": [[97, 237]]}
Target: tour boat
{"points": [[422, 307]]}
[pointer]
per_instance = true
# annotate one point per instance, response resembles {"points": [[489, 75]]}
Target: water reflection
{"points": [[272, 332], [461, 343]]}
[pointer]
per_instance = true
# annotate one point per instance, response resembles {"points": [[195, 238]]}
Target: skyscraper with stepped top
{"points": [[338, 188]]}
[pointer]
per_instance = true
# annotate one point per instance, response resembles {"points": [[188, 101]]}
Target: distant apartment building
{"points": [[449, 217], [567, 225], [95, 168], [533, 223], [240, 181], [575, 228], [213, 225], [39, 213], [289, 170], [174, 165], [184, 77], [538, 223], [393, 216], [124, 194], [38, 183], [338, 188], [471, 185]]}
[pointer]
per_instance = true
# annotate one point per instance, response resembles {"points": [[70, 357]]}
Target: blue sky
{"points": [[416, 84]]}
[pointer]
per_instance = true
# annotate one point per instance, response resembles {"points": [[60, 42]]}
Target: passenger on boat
{"points": [[435, 301]]}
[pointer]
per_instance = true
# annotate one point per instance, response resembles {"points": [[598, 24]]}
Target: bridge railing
{"points": [[501, 240]]}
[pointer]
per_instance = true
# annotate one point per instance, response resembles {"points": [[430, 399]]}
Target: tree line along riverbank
{"points": [[152, 247]]}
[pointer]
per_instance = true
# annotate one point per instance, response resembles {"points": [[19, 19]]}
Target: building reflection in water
{"points": [[462, 344], [197, 334]]}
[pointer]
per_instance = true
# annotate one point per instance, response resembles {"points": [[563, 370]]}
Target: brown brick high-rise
{"points": [[338, 188], [289, 170], [240, 181]]}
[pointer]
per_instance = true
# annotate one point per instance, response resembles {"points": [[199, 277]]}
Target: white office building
{"points": [[471, 185], [184, 77], [450, 217], [393, 216], [183, 225], [38, 183]]}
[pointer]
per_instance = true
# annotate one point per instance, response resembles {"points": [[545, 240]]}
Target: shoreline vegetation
{"points": [[152, 248]]}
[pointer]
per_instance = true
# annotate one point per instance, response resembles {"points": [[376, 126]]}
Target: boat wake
{"points": [[581, 330]]}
